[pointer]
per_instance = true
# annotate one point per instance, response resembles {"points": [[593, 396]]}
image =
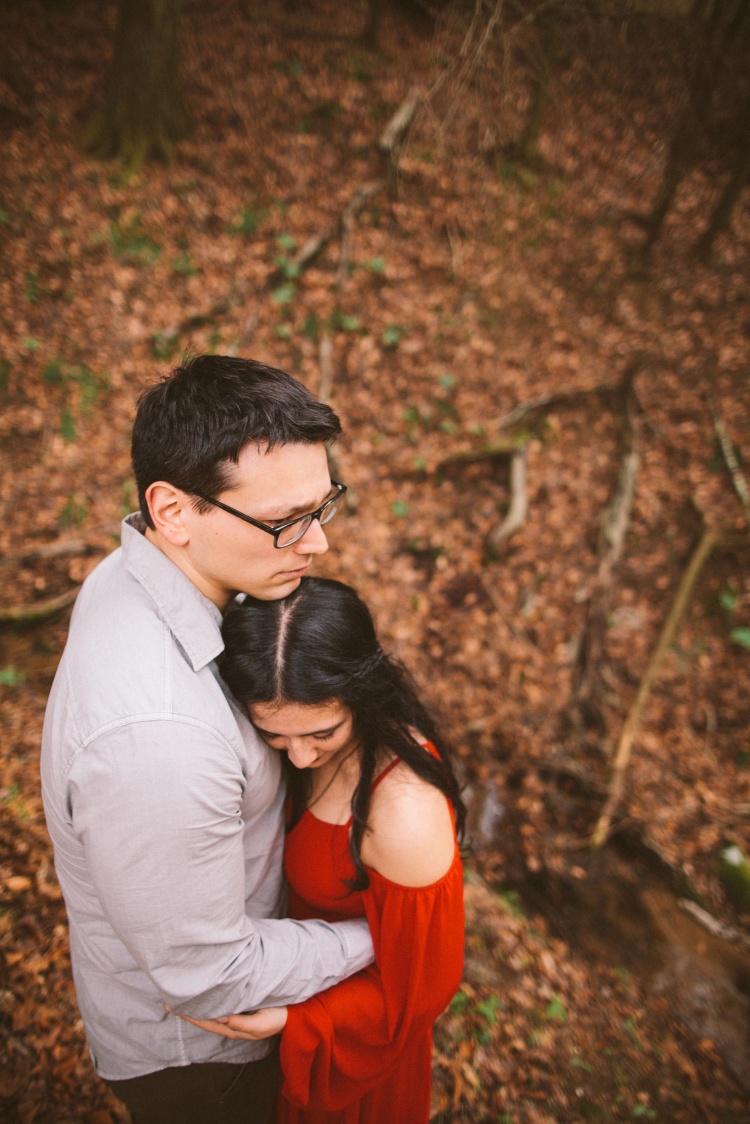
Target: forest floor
{"points": [[476, 286]]}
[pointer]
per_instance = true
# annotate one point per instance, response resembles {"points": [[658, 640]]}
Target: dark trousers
{"points": [[212, 1093]]}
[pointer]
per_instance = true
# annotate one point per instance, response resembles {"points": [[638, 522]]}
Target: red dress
{"points": [[361, 1052]]}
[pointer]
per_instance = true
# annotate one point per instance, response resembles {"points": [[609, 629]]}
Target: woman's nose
{"points": [[301, 755]]}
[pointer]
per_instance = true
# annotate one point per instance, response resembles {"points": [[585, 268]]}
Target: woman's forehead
{"points": [[296, 718]]}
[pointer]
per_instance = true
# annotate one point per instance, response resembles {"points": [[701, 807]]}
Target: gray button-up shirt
{"points": [[166, 814]]}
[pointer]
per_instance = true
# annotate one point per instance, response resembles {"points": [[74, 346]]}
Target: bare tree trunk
{"points": [[679, 161], [722, 212], [371, 33], [144, 114], [716, 29]]}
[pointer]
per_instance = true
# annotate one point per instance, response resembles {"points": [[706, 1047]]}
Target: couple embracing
{"points": [[254, 818]]}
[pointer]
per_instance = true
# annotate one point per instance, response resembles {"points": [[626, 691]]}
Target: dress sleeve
{"points": [[340, 1043]]}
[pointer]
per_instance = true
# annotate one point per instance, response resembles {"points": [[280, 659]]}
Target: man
{"points": [[164, 807]]}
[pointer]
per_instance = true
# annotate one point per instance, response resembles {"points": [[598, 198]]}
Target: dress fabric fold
{"points": [[361, 1052]]}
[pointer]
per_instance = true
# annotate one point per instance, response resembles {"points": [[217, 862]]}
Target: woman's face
{"points": [[312, 736]]}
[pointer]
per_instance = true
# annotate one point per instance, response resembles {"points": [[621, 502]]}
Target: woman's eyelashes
{"points": [[270, 738]]}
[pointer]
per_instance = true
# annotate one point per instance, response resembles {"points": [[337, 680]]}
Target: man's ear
{"points": [[167, 506]]}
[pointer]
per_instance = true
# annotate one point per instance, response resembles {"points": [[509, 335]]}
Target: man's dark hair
{"points": [[192, 425]]}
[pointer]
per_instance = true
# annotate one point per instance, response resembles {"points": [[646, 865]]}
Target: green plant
{"points": [[488, 1009], [285, 293], [556, 1010], [67, 426], [73, 513], [741, 636], [392, 335], [31, 290], [459, 1003], [131, 242], [184, 266], [247, 221], [512, 903], [338, 321], [58, 373], [11, 676]]}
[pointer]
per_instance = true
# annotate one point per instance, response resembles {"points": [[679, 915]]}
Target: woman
{"points": [[373, 812]]}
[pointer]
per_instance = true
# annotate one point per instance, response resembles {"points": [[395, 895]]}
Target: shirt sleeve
{"points": [[157, 806], [338, 1045]]}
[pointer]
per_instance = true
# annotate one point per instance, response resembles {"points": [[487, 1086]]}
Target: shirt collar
{"points": [[193, 619]]}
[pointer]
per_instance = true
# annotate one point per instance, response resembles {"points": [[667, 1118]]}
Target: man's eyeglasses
{"points": [[286, 534]]}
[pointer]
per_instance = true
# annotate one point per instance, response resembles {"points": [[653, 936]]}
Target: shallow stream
{"points": [[628, 911]]}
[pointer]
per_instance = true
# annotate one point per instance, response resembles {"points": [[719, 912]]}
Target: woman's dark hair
{"points": [[319, 644], [192, 426]]}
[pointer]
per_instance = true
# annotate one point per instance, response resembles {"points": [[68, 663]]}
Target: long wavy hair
{"points": [[320, 644]]}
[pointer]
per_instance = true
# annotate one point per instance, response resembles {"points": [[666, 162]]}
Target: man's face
{"points": [[224, 555]]}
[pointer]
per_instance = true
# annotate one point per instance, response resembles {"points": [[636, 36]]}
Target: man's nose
{"points": [[313, 541]]}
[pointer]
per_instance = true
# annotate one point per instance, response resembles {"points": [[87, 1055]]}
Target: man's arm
{"points": [[156, 805]]}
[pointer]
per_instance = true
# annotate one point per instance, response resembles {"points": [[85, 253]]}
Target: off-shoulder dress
{"points": [[361, 1052]]}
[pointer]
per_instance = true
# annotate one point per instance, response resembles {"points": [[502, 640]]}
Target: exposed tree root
{"points": [[738, 479], [543, 400], [38, 610], [494, 450], [702, 552], [613, 529], [519, 504]]}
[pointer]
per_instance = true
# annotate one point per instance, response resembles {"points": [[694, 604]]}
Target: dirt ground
{"points": [[469, 286]]}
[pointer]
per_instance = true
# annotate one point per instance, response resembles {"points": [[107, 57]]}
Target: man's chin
{"points": [[282, 587]]}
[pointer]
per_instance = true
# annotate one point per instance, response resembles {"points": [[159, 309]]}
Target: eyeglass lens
{"points": [[294, 533]]}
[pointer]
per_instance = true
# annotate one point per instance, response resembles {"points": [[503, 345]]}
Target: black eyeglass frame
{"points": [[311, 516]]}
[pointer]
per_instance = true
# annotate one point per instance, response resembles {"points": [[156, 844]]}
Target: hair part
{"points": [[320, 644], [191, 427]]}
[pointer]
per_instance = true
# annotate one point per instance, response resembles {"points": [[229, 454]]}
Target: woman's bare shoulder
{"points": [[410, 838]]}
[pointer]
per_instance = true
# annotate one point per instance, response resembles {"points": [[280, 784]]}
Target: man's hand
{"points": [[264, 1023]]}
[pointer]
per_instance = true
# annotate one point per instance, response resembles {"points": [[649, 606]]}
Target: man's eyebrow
{"points": [[308, 734], [284, 513]]}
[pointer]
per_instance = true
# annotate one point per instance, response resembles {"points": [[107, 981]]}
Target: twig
{"points": [[701, 554], [38, 610], [519, 504], [318, 242], [392, 137], [325, 392], [522, 637], [740, 484], [393, 134], [167, 337], [325, 357], [716, 928], [57, 549]]}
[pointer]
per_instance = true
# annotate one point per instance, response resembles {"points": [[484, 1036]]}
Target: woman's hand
{"points": [[264, 1023]]}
